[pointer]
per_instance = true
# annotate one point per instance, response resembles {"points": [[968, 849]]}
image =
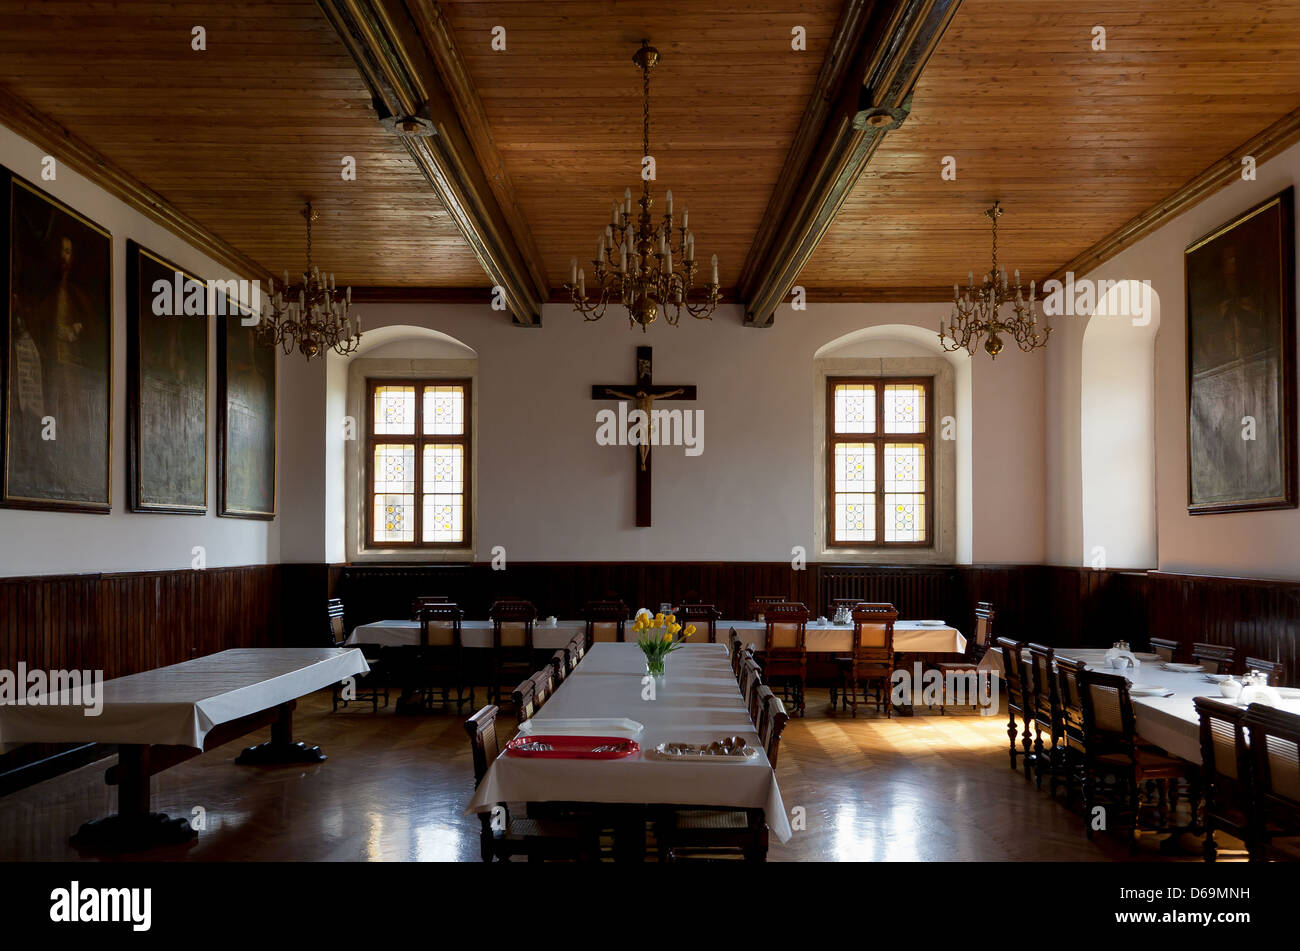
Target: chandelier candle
{"points": [[634, 263]]}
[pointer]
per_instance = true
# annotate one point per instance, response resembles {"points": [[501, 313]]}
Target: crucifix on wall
{"points": [[642, 395]]}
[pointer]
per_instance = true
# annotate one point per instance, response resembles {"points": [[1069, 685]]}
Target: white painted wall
{"points": [[547, 491], [1245, 544], [58, 542]]}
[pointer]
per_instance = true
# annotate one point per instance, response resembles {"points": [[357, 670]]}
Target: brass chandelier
{"points": [[994, 308], [634, 257], [311, 316]]}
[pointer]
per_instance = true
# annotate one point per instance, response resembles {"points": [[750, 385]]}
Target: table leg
{"points": [[134, 828], [281, 747]]}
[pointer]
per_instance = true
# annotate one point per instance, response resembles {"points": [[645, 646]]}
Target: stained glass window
{"points": [[420, 484], [879, 442]]}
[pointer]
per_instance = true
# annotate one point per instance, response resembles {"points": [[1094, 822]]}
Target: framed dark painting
{"points": [[167, 385], [56, 345], [246, 428], [1241, 362]]}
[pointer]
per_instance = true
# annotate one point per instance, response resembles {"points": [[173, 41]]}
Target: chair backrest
{"points": [[1167, 649], [787, 627], [439, 625], [1107, 713], [543, 686], [524, 701], [424, 599], [774, 721], [1013, 672], [560, 665], [1224, 751], [334, 610], [752, 699], [1044, 683], [512, 624], [983, 638], [1274, 670], [1275, 762], [750, 677], [759, 604], [1071, 695], [733, 644], [873, 627], [1217, 658], [760, 724], [482, 730], [606, 621], [577, 649], [700, 614]]}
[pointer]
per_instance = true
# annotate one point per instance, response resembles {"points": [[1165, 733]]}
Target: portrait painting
{"points": [[57, 353], [167, 385], [1241, 386], [246, 434]]}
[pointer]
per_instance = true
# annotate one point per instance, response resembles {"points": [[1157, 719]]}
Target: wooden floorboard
{"points": [[926, 788]]}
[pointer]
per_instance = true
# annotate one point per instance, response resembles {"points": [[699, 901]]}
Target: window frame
{"points": [[420, 440], [879, 439]]}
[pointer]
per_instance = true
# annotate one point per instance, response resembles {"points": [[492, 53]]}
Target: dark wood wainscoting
{"points": [[125, 623]]}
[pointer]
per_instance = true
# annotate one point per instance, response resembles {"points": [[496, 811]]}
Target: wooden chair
{"points": [[504, 835], [871, 658], [733, 644], [774, 719], [436, 667], [750, 689], [1074, 748], [1019, 702], [606, 621], [560, 665], [759, 604], [1113, 750], [543, 687], [1274, 670], [1047, 717], [700, 614], [577, 648], [424, 599], [1217, 658], [524, 701], [976, 647], [786, 650], [365, 687], [512, 643], [1167, 649], [1275, 779], [1225, 772]]}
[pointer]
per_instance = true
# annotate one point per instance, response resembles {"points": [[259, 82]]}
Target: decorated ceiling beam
{"points": [[423, 95], [864, 91]]}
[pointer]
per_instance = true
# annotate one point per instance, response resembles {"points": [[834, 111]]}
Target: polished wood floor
{"points": [[926, 788]]}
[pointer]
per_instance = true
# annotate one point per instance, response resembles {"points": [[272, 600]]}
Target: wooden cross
{"points": [[643, 394]]}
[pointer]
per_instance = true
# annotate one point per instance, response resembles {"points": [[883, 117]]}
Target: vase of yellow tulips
{"points": [[658, 635]]}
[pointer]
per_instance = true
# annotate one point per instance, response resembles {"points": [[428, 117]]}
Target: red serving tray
{"points": [[573, 747]]}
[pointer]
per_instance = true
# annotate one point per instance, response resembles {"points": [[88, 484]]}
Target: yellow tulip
{"points": [[667, 636], [659, 620], [690, 630], [674, 628], [672, 619]]}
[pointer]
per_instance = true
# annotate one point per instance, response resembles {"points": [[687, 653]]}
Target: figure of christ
{"points": [[645, 402]]}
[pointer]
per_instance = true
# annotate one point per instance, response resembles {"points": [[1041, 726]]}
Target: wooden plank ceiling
{"points": [[239, 135], [1073, 142], [563, 103]]}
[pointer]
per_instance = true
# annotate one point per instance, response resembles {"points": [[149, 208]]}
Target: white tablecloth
{"points": [[1170, 723], [838, 638], [472, 633], [908, 635], [178, 705], [698, 702]]}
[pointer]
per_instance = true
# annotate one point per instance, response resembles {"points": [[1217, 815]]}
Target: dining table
{"points": [[1169, 722], [697, 701]]}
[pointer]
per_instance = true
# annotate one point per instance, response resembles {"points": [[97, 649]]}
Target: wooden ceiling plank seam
{"points": [[897, 43], [382, 37], [83, 158]]}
